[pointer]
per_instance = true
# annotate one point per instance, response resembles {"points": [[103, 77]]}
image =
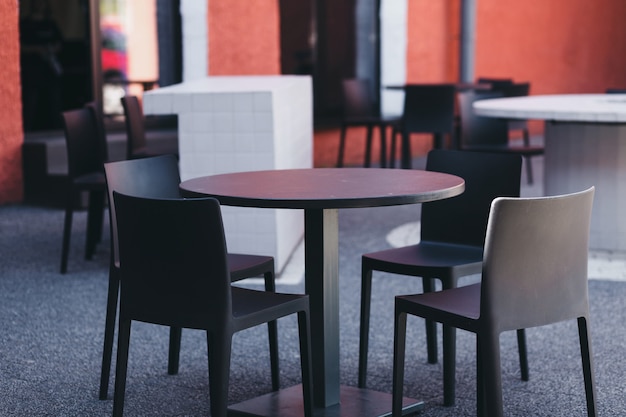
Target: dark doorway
{"points": [[331, 40], [55, 57]]}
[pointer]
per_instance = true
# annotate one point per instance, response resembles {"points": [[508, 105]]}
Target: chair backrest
{"points": [[98, 117], [357, 98], [479, 130], [535, 260], [155, 177], [615, 91], [496, 83], [173, 261], [429, 108], [83, 147], [135, 129], [515, 89], [463, 219]]}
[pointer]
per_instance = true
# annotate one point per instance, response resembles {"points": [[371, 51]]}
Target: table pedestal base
{"points": [[355, 402]]}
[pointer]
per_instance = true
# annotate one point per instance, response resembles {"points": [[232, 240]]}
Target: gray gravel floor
{"points": [[51, 329]]}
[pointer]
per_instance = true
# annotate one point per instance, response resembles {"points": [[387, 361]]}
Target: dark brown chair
{"points": [[137, 145], [174, 271], [159, 177], [490, 134], [534, 273], [450, 247], [359, 110], [428, 108], [84, 174], [98, 117]]}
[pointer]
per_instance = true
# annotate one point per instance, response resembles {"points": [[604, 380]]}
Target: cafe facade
{"points": [[561, 46]]}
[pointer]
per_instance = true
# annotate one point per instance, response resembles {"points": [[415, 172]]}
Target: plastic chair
{"points": [[174, 271], [136, 144], [428, 108], [359, 110], [159, 177], [534, 274], [450, 247], [84, 173], [490, 134]]}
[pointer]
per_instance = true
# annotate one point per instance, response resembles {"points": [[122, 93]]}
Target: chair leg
{"points": [[368, 146], [480, 380], [382, 130], [95, 216], [431, 326], [67, 231], [438, 141], [109, 332], [587, 361], [123, 340], [306, 364], [523, 355], [399, 346], [342, 146], [272, 333], [529, 170], [173, 361], [219, 346], [492, 377], [366, 296], [392, 148], [449, 365], [406, 151]]}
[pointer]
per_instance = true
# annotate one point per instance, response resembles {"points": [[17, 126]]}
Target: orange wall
{"points": [[560, 46], [11, 135], [244, 37]]}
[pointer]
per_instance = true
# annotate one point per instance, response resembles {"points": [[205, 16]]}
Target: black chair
{"points": [[159, 177], [450, 247], [98, 117], [428, 108], [174, 271], [84, 174], [534, 273], [490, 134], [359, 110], [615, 91], [137, 145]]}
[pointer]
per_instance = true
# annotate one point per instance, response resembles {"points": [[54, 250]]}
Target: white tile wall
{"points": [[244, 123]]}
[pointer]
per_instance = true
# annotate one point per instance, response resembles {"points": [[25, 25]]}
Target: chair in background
{"points": [[428, 108], [174, 271], [359, 110], [615, 91], [490, 134], [534, 273], [98, 117], [511, 89], [84, 174], [137, 145], [450, 247], [159, 177]]}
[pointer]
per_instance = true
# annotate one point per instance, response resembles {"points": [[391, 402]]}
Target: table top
{"points": [[325, 188], [606, 108]]}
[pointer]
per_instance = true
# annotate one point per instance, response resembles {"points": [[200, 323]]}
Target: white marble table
{"points": [[244, 123], [585, 144]]}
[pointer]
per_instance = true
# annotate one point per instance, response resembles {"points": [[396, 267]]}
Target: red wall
{"points": [[244, 37], [11, 135], [560, 46]]}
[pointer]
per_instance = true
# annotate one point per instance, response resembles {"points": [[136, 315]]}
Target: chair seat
{"points": [[459, 307], [426, 258], [253, 307], [94, 180], [247, 266], [522, 150]]}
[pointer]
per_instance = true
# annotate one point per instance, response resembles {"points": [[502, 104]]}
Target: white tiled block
{"points": [[262, 102], [243, 102]]}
